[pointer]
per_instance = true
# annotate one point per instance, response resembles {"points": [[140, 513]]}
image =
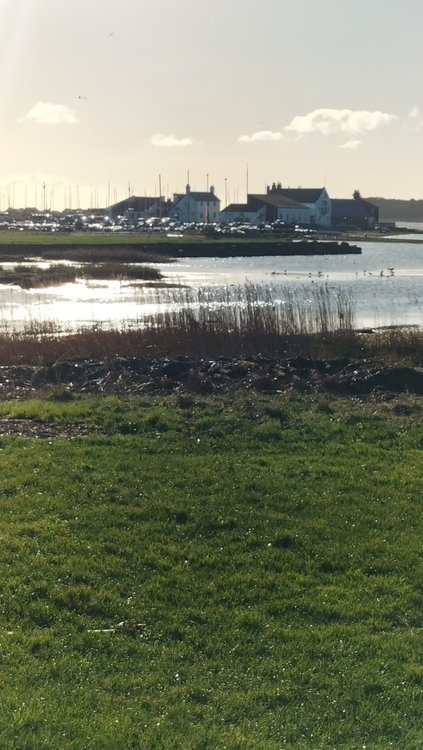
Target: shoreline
{"points": [[188, 248]]}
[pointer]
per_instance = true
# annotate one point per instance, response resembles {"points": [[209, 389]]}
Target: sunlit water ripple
{"points": [[385, 282]]}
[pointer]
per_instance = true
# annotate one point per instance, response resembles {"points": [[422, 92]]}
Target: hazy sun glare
{"points": [[15, 24]]}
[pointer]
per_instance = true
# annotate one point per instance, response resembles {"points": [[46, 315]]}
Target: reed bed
{"points": [[115, 270], [232, 322], [239, 319], [32, 276], [254, 309]]}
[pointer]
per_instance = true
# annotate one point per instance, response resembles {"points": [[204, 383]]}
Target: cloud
{"points": [[46, 113], [351, 145], [262, 135], [414, 120], [329, 121], [169, 141]]}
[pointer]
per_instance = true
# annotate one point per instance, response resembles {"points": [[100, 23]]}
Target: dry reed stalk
{"points": [[234, 321]]}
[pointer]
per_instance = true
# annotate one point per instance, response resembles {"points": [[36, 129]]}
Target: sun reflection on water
{"points": [[385, 283]]}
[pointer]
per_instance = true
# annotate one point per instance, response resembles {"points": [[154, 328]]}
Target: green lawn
{"points": [[75, 238], [102, 238], [212, 572]]}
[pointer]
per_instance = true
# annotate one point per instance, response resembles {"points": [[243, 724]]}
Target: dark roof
{"points": [[240, 208], [299, 195], [277, 200], [352, 207], [207, 197], [138, 203]]}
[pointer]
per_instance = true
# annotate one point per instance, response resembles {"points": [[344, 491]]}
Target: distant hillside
{"points": [[391, 209]]}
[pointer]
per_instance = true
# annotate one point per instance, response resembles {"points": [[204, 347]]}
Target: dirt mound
{"points": [[137, 375]]}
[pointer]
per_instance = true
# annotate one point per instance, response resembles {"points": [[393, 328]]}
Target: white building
{"points": [[203, 207], [267, 208], [307, 207], [316, 200], [242, 213]]}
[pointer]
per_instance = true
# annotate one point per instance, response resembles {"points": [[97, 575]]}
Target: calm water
{"points": [[385, 281]]}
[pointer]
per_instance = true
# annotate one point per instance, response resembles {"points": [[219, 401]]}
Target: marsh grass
{"points": [[236, 321], [124, 271], [33, 276], [232, 321], [404, 344], [212, 573], [256, 310], [43, 345]]}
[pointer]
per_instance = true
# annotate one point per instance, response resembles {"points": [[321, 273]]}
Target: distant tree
{"points": [[395, 209]]}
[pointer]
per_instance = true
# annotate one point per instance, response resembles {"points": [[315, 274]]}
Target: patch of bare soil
{"points": [[137, 375], [32, 428]]}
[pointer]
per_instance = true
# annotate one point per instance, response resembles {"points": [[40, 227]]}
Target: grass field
{"points": [[234, 572], [11, 237], [81, 239], [61, 244]]}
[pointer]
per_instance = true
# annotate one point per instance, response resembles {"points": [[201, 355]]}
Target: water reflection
{"points": [[385, 283]]}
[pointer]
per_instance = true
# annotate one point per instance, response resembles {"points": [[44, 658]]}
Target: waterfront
{"points": [[385, 283]]}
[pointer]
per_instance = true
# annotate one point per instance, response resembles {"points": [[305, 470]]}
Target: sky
{"points": [[100, 100]]}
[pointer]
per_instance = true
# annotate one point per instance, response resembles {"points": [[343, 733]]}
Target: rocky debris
{"points": [[360, 380], [137, 375], [189, 375]]}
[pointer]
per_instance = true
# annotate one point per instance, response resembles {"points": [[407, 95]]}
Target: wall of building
{"points": [[321, 210], [189, 209], [294, 215], [247, 217]]}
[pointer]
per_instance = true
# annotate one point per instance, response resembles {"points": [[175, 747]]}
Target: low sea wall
{"points": [[189, 248], [249, 248]]}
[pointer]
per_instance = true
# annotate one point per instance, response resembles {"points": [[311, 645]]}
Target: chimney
{"points": [[212, 189], [188, 189]]}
